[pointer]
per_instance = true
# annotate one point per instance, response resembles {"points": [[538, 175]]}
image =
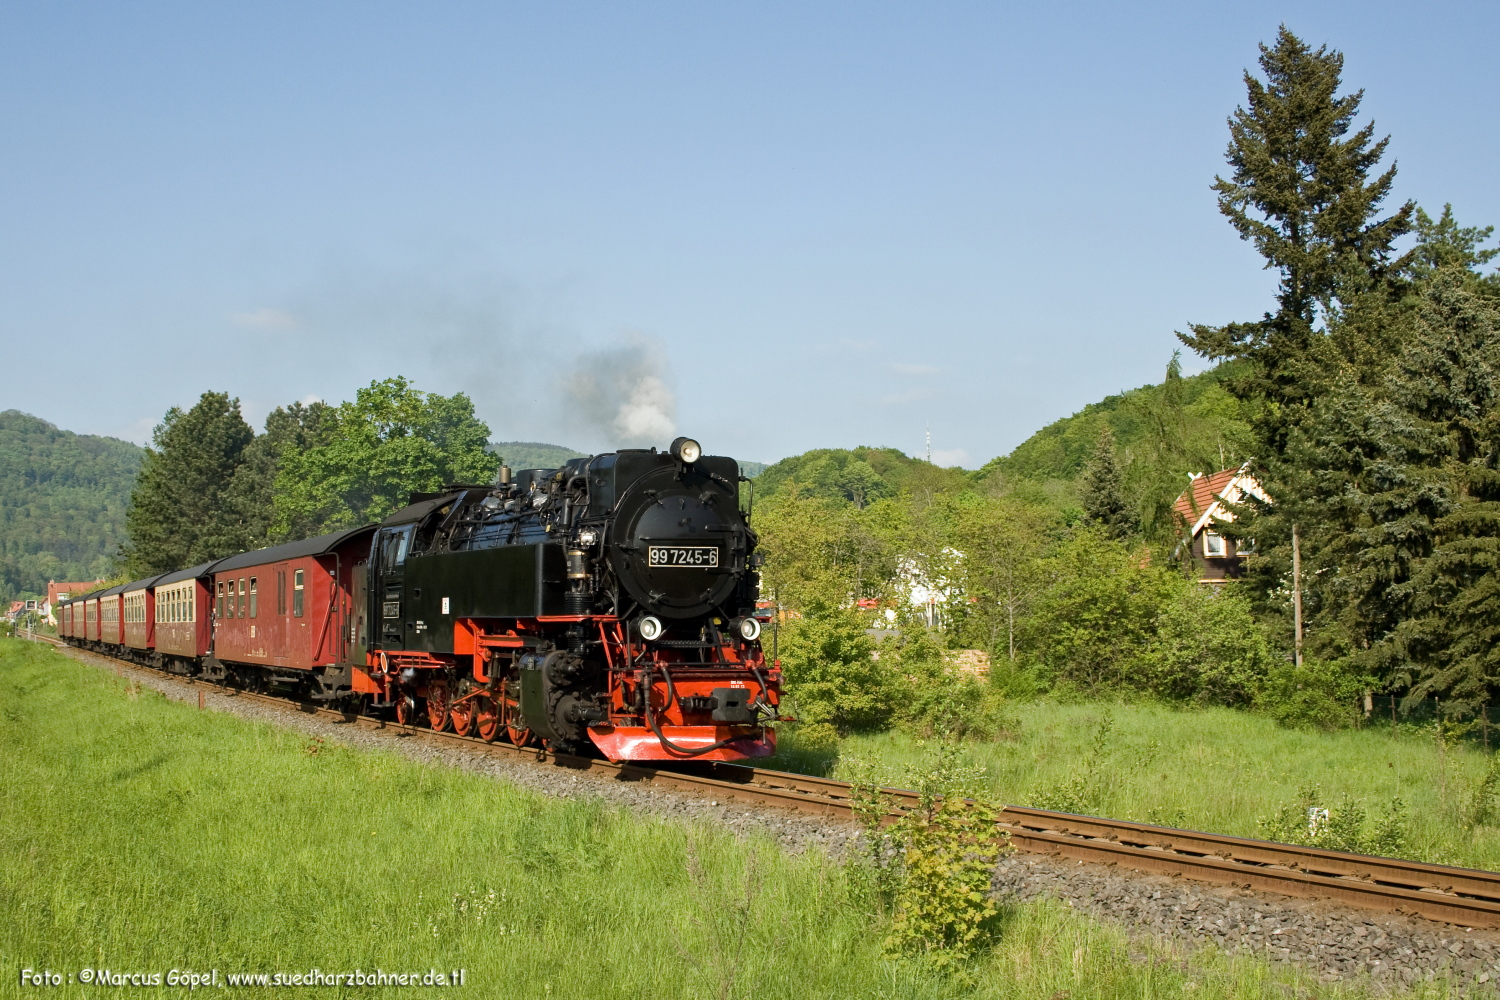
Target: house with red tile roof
{"points": [[1199, 513], [62, 591]]}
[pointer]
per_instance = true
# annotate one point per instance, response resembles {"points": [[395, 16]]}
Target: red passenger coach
{"points": [[91, 618], [111, 616], [139, 602], [290, 607], [184, 627]]}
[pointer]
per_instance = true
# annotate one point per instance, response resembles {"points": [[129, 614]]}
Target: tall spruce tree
{"points": [[178, 515], [1301, 191], [1390, 478], [1449, 385], [1101, 493]]}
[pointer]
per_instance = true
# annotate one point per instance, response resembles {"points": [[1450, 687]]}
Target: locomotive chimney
{"points": [[504, 478]]}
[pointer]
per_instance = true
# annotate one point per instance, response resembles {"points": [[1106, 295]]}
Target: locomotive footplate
{"points": [[640, 743]]}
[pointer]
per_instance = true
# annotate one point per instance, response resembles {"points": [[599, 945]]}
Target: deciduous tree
{"points": [[390, 441]]}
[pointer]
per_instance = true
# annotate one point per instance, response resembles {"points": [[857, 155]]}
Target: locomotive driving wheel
{"points": [[462, 711], [510, 713], [406, 708], [486, 718], [437, 705]]}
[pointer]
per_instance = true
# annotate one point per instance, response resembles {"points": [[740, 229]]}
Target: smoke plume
{"points": [[624, 394]]}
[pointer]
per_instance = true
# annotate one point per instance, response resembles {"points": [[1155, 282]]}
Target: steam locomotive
{"points": [[604, 606]]}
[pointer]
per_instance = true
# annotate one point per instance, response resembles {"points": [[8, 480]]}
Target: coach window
{"points": [[297, 593], [253, 598], [281, 592]]}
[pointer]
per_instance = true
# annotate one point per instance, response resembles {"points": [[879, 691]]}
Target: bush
{"points": [[1208, 648], [831, 676], [931, 869], [1312, 696], [1099, 616]]}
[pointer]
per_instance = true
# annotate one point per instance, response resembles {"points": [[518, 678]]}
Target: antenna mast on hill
{"points": [[929, 444]]}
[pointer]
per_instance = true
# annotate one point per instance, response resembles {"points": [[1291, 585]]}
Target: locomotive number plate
{"points": [[685, 556]]}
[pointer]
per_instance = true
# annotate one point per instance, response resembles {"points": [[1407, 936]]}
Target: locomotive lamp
{"points": [[650, 627], [748, 628], [686, 450]]}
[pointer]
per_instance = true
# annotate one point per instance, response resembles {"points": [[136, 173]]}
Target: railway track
{"points": [[1461, 896]]}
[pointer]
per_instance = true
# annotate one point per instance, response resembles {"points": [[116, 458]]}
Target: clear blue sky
{"points": [[813, 225]]}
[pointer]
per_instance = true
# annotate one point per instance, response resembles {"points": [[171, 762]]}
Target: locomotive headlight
{"points": [[650, 627], [749, 629], [686, 450], [588, 537]]}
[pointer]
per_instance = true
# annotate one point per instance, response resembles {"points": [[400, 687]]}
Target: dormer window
{"points": [[1213, 544]]}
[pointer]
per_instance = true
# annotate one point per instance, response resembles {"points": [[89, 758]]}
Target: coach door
{"points": [[358, 636], [388, 600]]}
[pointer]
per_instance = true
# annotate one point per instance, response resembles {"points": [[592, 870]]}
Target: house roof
{"points": [[1209, 497]]}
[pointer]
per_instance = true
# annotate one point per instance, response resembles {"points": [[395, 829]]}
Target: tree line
{"points": [[209, 486], [1364, 401]]}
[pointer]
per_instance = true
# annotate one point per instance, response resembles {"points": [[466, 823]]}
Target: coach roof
{"points": [[186, 574], [292, 550]]}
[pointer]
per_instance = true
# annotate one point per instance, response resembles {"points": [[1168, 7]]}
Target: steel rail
{"points": [[1461, 896]]}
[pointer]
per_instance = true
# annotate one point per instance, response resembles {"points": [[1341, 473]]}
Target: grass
{"points": [[1212, 769], [142, 834]]}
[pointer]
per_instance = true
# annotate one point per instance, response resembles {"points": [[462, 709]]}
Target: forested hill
{"points": [[1194, 414], [62, 503], [532, 454]]}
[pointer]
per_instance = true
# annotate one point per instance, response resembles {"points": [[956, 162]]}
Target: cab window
{"points": [[393, 547]]}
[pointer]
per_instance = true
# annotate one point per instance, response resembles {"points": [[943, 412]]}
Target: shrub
{"points": [[1099, 616], [931, 869], [1312, 696], [830, 674], [1208, 648]]}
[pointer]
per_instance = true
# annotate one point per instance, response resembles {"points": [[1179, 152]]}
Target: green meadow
{"points": [[143, 835], [1213, 769]]}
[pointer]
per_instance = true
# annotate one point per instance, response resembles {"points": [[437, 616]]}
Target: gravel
{"points": [[1391, 952]]}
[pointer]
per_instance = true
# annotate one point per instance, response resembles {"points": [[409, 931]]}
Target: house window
{"points": [[252, 597], [297, 592], [1213, 544], [1245, 547]]}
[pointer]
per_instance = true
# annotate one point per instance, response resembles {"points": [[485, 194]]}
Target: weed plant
{"points": [[142, 834]]}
